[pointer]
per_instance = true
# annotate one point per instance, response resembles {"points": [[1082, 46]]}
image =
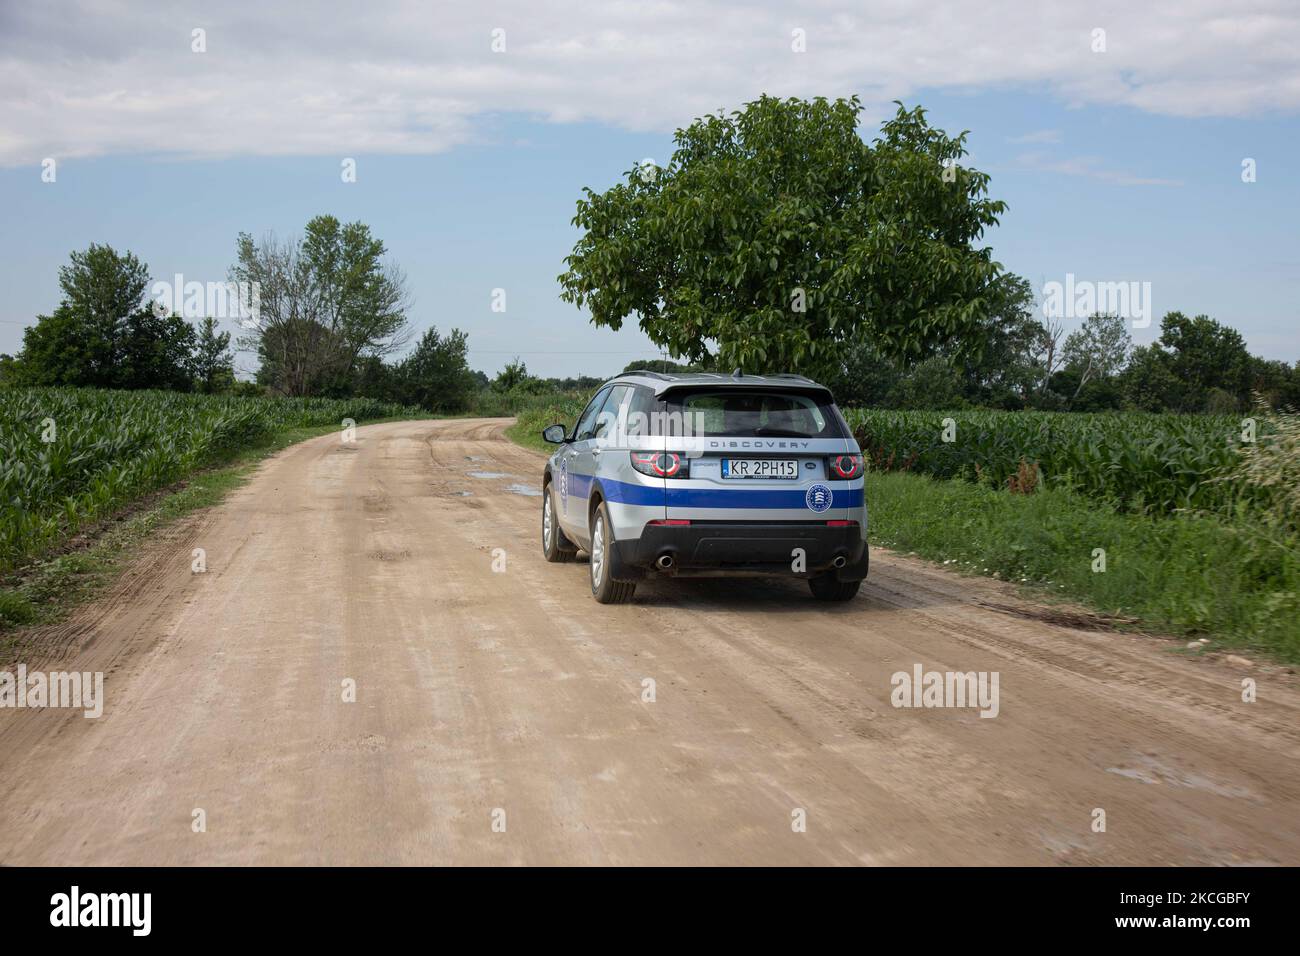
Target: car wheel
{"points": [[555, 546], [603, 587], [827, 587]]}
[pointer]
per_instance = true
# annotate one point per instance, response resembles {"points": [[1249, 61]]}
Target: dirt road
{"points": [[490, 701]]}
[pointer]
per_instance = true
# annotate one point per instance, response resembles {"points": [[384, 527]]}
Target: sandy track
{"points": [[479, 690]]}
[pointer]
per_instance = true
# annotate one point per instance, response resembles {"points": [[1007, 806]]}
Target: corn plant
{"points": [[70, 457], [1138, 461]]}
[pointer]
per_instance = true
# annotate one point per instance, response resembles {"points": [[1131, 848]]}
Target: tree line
{"points": [[776, 239], [330, 319], [332, 314], [1196, 364]]}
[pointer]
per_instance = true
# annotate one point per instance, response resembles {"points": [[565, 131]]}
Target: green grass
{"points": [[44, 591], [544, 410], [1179, 574]]}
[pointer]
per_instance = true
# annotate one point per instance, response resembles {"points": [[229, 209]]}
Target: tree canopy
{"points": [[102, 333], [327, 301], [436, 374], [776, 236]]}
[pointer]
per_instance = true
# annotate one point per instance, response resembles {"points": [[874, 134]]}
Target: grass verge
{"points": [[47, 590], [532, 418], [1182, 574]]}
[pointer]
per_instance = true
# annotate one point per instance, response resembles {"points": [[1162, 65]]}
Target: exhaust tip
{"points": [[664, 562], [840, 561]]}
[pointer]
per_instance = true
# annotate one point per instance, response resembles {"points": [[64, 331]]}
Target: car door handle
{"points": [[595, 452]]}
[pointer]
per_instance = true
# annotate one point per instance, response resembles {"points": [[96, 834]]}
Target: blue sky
{"points": [[1100, 184]]}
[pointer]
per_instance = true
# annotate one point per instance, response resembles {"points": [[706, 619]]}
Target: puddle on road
{"points": [[489, 474], [474, 458], [462, 494], [528, 490], [1150, 770]]}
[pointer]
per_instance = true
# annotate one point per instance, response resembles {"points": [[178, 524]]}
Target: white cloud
{"points": [[1092, 167], [84, 79]]}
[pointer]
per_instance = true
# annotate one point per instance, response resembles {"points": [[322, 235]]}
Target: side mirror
{"points": [[555, 434]]}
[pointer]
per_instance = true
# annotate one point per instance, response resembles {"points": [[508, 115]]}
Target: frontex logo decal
{"points": [[819, 497]]}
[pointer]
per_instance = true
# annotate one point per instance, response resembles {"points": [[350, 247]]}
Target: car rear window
{"points": [[752, 414]]}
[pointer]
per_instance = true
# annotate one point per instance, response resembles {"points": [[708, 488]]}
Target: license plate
{"points": [[760, 468]]}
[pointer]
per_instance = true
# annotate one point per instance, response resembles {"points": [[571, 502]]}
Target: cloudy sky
{"points": [[1116, 131]]}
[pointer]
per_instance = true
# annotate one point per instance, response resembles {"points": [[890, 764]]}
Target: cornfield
{"points": [[1141, 462], [1138, 461], [71, 457]]}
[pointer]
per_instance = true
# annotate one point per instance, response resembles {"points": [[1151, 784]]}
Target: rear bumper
{"points": [[726, 548]]}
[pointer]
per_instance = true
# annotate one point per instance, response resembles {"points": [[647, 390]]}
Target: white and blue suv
{"points": [[708, 475]]}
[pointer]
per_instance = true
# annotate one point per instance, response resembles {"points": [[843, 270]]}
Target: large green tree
{"points": [[776, 235], [1205, 355], [102, 333], [157, 352], [436, 375], [1197, 364], [326, 303], [1099, 348]]}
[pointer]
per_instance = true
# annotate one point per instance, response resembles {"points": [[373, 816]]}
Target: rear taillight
{"points": [[841, 524], [846, 466], [661, 464], [673, 522]]}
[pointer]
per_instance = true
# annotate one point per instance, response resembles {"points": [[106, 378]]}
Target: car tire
{"points": [[603, 586], [827, 587], [556, 548]]}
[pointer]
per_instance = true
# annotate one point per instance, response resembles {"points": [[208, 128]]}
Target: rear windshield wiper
{"points": [[780, 432]]}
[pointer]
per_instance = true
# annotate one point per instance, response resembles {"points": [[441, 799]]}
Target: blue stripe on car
{"points": [[580, 485], [627, 493]]}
